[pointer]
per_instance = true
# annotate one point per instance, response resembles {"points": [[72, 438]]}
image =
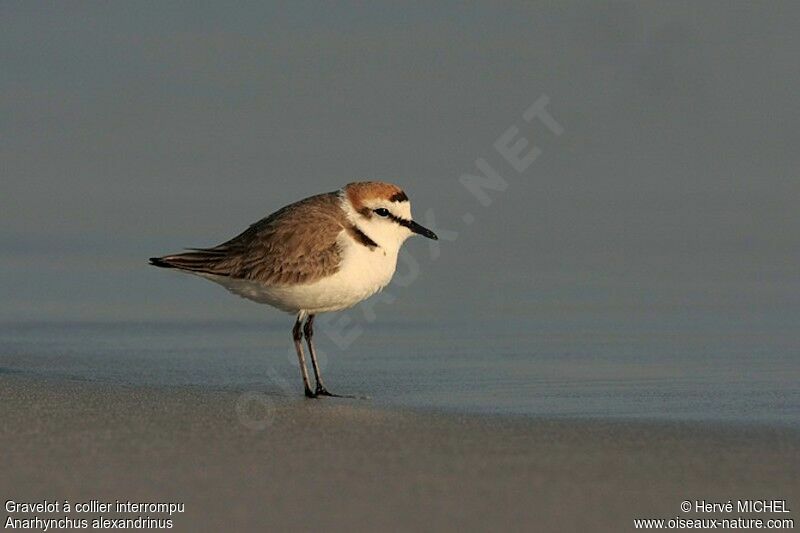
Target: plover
{"points": [[324, 253]]}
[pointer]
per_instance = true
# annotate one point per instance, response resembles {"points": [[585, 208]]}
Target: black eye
{"points": [[381, 212]]}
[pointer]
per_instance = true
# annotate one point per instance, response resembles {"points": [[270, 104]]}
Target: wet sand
{"points": [[252, 461]]}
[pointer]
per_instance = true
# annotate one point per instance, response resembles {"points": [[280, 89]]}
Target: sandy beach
{"points": [[253, 461]]}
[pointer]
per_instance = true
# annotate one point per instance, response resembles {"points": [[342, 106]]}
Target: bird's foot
{"points": [[322, 391], [310, 394]]}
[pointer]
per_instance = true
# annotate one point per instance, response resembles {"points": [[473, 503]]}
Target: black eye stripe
{"points": [[401, 221], [383, 212]]}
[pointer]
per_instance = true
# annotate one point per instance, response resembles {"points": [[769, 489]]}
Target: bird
{"points": [[322, 254]]}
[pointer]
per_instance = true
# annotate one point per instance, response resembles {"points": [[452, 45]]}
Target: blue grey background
{"points": [[133, 129], [645, 264]]}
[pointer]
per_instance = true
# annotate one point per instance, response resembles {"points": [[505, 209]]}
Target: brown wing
{"points": [[296, 244]]}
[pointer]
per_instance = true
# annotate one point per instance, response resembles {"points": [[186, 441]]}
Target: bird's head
{"points": [[382, 211]]}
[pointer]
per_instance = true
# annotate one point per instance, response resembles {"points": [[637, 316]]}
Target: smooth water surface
{"points": [[513, 366]]}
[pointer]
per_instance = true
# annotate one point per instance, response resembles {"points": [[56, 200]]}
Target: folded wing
{"points": [[297, 244]]}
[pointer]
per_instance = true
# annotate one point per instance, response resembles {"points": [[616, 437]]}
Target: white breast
{"points": [[363, 272]]}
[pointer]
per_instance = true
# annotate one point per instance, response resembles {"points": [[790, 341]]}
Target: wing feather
{"points": [[297, 244]]}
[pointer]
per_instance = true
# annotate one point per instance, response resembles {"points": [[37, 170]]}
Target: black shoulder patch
{"points": [[361, 237], [399, 197]]}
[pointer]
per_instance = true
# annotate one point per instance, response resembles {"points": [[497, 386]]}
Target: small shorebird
{"points": [[325, 253]]}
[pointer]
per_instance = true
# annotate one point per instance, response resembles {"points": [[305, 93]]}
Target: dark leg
{"points": [[297, 335], [308, 329]]}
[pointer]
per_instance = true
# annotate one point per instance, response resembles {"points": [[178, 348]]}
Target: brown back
{"points": [[296, 244]]}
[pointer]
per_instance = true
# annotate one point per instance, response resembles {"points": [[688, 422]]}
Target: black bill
{"points": [[421, 230]]}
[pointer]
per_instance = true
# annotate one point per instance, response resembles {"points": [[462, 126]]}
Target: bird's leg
{"points": [[308, 329], [297, 336]]}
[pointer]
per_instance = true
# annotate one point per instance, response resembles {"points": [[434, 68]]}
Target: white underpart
{"points": [[364, 270]]}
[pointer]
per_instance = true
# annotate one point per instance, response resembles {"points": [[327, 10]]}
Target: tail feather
{"points": [[160, 262], [199, 261]]}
